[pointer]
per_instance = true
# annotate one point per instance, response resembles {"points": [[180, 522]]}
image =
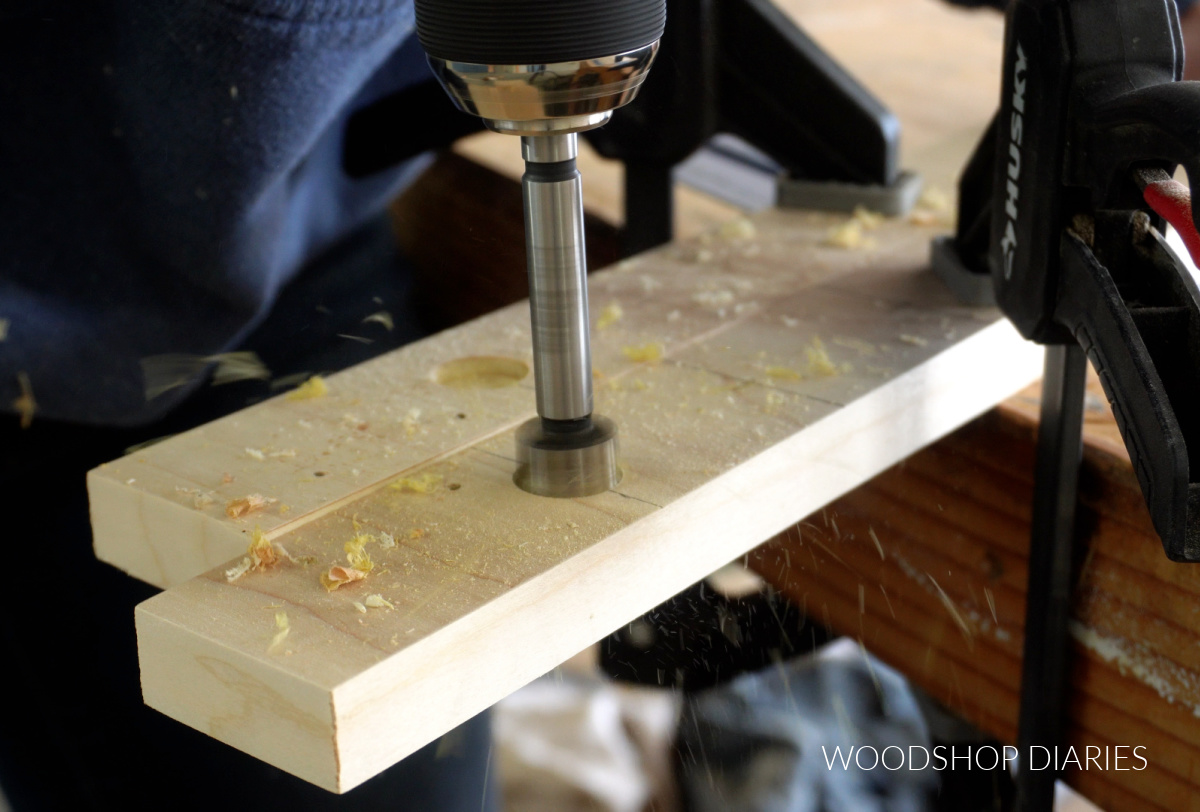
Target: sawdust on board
{"points": [[644, 353], [424, 483]]}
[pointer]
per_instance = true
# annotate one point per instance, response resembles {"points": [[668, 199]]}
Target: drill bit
{"points": [[566, 451]]}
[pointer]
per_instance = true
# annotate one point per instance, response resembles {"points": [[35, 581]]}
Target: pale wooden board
{"points": [[718, 455]]}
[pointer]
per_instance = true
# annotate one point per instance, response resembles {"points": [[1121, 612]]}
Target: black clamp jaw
{"points": [[1051, 208]]}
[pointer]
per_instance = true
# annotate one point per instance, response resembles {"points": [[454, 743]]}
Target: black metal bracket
{"points": [[743, 67]]}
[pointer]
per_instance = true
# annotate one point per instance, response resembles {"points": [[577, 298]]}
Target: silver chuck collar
{"points": [[546, 70]]}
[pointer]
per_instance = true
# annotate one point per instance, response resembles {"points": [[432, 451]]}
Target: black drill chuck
{"points": [[536, 32]]}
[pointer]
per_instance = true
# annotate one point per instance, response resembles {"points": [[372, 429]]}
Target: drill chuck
{"points": [[533, 32], [529, 67]]}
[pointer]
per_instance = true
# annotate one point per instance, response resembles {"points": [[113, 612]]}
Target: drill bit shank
{"points": [[557, 266]]}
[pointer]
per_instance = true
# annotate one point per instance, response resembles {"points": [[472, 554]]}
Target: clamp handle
{"points": [[1144, 343]]}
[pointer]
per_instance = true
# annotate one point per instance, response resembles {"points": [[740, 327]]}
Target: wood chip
{"points": [[25, 405], [379, 602], [610, 315], [338, 576], [382, 317], [314, 387], [849, 236], [645, 353], [282, 628], [237, 508], [740, 229]]}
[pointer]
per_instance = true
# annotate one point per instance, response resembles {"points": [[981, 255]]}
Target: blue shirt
{"points": [[165, 168]]}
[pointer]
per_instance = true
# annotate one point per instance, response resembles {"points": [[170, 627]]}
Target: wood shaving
{"points": [[916, 341], [356, 553], [24, 404], [783, 374], [379, 602], [338, 576], [610, 315], [934, 207], [425, 483], [256, 453], [819, 362], [238, 366], [849, 236], [262, 552], [387, 541], [235, 572], [359, 607], [870, 220], [410, 421], [261, 555], [314, 387], [162, 373], [382, 317], [740, 229], [237, 508], [303, 560], [359, 339], [934, 199], [282, 628], [646, 353]]}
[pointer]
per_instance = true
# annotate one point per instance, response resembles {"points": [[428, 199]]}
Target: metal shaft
{"points": [[554, 242]]}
